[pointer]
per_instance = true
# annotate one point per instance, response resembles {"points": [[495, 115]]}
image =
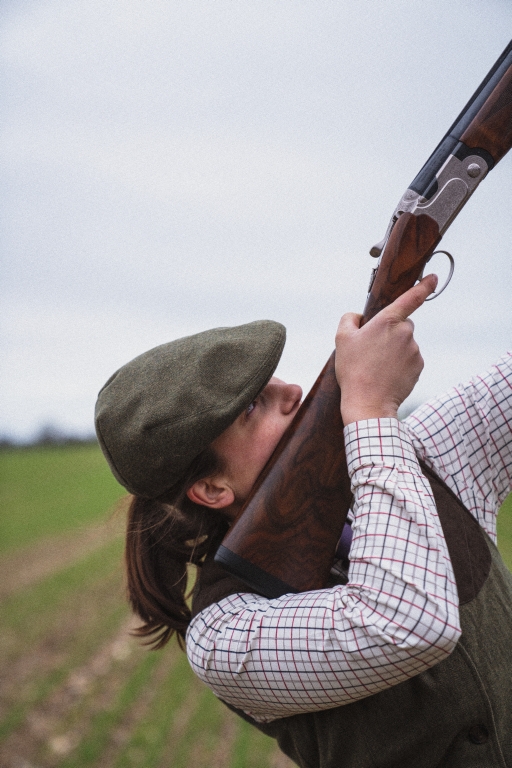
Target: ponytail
{"points": [[163, 537]]}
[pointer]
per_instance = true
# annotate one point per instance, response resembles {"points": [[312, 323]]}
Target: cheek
{"points": [[250, 461], [266, 442]]}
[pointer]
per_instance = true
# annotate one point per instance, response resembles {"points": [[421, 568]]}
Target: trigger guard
{"points": [[450, 275]]}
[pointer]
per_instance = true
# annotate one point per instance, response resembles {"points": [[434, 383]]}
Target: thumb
{"points": [[412, 299], [349, 323]]}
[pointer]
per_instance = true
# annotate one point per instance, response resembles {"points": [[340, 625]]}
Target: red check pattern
{"points": [[398, 614]]}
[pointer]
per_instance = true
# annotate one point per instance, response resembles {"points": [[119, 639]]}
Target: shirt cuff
{"points": [[376, 442]]}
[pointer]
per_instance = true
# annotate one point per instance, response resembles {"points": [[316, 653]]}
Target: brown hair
{"points": [[163, 536]]}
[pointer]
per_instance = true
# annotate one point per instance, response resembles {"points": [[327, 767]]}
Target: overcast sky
{"points": [[172, 166]]}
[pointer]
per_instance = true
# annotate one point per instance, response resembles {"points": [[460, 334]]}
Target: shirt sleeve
{"points": [[396, 617], [465, 436]]}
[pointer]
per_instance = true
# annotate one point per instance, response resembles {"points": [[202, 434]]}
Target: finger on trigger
{"points": [[412, 299]]}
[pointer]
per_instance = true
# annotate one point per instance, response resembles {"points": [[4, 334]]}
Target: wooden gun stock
{"points": [[281, 542], [285, 537]]}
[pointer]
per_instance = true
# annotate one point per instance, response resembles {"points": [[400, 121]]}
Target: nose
{"points": [[289, 395]]}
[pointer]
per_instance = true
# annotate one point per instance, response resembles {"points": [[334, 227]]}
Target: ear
{"points": [[211, 492]]}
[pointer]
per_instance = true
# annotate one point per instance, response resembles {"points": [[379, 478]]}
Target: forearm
{"points": [[396, 617], [398, 546]]}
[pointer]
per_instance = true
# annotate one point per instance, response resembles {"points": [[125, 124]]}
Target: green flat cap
{"points": [[159, 411]]}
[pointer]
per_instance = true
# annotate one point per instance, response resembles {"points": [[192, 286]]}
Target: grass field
{"points": [[75, 689]]}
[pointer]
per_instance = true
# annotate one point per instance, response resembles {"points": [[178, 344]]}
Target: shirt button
{"points": [[478, 734]]}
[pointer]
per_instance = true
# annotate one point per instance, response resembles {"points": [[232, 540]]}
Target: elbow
{"points": [[440, 642]]}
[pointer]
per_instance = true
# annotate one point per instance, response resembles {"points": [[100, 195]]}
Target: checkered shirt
{"points": [[398, 614]]}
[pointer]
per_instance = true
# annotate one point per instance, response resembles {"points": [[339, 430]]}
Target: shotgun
{"points": [[285, 537]]}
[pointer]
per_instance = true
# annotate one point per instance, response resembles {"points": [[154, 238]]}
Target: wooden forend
{"points": [[491, 128], [410, 245]]}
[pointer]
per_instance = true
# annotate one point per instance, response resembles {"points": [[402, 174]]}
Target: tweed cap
{"points": [[159, 411]]}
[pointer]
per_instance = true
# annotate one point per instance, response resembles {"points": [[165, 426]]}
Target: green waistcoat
{"points": [[458, 714]]}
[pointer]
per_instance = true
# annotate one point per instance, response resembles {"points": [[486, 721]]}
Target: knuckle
{"points": [[405, 330], [388, 320]]}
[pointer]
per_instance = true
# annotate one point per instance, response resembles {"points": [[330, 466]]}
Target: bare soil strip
{"points": [[74, 633], [221, 757], [181, 723], [67, 681], [50, 731], [124, 730], [32, 564]]}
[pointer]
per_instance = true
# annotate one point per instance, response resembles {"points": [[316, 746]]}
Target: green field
{"points": [[75, 689]]}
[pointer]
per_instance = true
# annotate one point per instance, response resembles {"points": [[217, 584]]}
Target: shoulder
{"points": [[213, 585]]}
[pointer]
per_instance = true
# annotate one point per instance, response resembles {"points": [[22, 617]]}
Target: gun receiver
{"points": [[285, 537]]}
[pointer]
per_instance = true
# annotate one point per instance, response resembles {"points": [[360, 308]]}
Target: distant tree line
{"points": [[49, 435]]}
